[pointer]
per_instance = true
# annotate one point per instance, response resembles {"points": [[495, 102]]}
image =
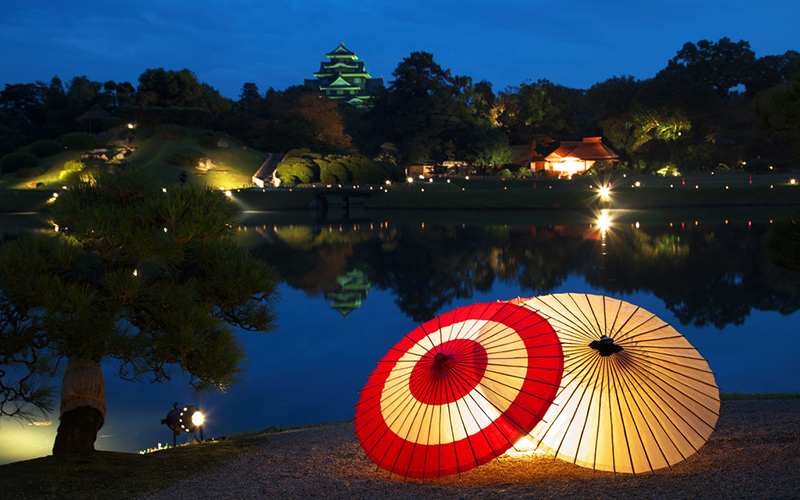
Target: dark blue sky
{"points": [[276, 43]]}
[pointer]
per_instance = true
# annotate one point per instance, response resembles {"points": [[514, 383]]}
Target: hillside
{"points": [[232, 165]]}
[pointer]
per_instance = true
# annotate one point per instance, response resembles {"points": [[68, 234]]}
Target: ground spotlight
{"points": [[184, 419]]}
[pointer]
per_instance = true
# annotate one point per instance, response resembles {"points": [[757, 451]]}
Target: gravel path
{"points": [[753, 454]]}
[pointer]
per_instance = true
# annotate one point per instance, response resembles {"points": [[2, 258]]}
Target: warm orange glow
{"points": [[604, 221]]}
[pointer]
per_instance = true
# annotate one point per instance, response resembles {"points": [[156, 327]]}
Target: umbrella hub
{"points": [[605, 346], [440, 362]]}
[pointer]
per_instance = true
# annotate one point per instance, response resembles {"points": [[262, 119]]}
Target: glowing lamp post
{"points": [[185, 419]]}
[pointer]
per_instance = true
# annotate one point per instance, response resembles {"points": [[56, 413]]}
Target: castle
{"points": [[344, 77]]}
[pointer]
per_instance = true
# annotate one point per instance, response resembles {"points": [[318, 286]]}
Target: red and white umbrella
{"points": [[459, 390], [635, 397]]}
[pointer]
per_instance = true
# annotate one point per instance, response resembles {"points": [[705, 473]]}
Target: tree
{"points": [[148, 280], [423, 111], [158, 87], [540, 112], [722, 65], [779, 111]]}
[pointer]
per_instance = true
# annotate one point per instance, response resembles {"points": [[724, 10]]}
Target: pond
{"points": [[351, 288]]}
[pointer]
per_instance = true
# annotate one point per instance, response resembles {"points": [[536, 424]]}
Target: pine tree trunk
{"points": [[83, 407]]}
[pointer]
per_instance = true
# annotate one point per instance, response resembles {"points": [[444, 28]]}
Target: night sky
{"points": [[276, 43]]}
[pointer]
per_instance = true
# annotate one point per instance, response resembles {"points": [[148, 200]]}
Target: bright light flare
{"points": [[604, 192], [603, 221], [198, 418], [228, 193]]}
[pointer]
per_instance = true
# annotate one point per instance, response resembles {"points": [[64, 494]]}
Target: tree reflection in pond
{"points": [[705, 274]]}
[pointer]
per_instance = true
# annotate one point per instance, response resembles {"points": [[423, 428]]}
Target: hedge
{"points": [[18, 160]]}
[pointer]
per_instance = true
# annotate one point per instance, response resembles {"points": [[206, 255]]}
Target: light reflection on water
{"points": [[311, 369]]}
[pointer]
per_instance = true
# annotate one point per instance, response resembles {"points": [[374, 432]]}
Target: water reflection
{"points": [[705, 273], [712, 278]]}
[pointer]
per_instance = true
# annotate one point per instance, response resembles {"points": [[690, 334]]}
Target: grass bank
{"points": [[107, 474], [126, 475]]}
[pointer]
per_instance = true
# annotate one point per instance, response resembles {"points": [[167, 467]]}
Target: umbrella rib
{"points": [[466, 430], [584, 370], [571, 322], [493, 421], [595, 375], [587, 321], [459, 381], [626, 392], [603, 382], [520, 390], [616, 314], [645, 380], [491, 343], [655, 410], [388, 429], [600, 329], [623, 331], [668, 388], [424, 408], [622, 421], [661, 355], [669, 376]]}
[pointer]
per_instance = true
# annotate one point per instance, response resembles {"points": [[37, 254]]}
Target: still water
{"points": [[352, 288]]}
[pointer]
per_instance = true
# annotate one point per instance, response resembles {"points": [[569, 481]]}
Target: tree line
{"points": [[715, 105]]}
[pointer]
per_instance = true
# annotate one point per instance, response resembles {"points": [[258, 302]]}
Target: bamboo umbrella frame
{"points": [[635, 397]]}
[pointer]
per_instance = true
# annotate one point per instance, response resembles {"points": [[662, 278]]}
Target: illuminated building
{"points": [[573, 157], [344, 77]]}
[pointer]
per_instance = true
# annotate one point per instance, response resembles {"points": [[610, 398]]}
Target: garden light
{"points": [[184, 419]]}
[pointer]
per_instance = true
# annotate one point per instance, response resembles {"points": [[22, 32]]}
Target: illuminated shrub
{"points": [[16, 161], [45, 147], [80, 141], [71, 171], [294, 171]]}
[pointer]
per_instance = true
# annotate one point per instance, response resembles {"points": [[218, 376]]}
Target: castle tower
{"points": [[343, 77]]}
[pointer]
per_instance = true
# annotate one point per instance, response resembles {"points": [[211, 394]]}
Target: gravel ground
{"points": [[753, 454]]}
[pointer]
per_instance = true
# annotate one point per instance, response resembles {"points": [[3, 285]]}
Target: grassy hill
{"points": [[232, 164]]}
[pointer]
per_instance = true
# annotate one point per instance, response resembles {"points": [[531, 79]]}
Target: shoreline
{"points": [[753, 453]]}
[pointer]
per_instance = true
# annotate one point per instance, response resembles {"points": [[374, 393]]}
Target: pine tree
{"points": [[147, 279]]}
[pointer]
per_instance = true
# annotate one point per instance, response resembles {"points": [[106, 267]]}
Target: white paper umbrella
{"points": [[635, 395]]}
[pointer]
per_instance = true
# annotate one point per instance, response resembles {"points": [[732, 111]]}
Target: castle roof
{"points": [[341, 52]]}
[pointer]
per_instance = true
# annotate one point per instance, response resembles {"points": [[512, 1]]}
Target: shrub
{"points": [[209, 140], [45, 147], [70, 175], [188, 159], [71, 171], [294, 171], [25, 173], [17, 160], [169, 131], [80, 141], [73, 166]]}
